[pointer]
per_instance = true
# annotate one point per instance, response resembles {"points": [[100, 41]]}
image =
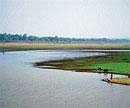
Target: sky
{"points": [[66, 18]]}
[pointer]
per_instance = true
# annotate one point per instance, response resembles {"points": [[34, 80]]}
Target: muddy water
{"points": [[24, 86]]}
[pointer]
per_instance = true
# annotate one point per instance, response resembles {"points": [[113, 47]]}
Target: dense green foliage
{"points": [[24, 38]]}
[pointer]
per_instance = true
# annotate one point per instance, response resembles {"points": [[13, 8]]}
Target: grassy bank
{"points": [[115, 63], [60, 46]]}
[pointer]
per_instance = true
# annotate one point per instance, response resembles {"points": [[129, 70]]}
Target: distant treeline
{"points": [[25, 38]]}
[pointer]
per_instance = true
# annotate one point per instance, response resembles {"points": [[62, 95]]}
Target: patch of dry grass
{"points": [[124, 81]]}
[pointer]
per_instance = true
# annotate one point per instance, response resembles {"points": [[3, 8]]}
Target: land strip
{"points": [[113, 63], [16, 46]]}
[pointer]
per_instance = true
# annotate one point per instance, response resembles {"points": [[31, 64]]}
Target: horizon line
{"points": [[66, 36]]}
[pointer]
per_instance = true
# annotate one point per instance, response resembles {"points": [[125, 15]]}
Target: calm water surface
{"points": [[24, 86]]}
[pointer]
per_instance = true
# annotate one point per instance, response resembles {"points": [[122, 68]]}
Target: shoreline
{"points": [[122, 81], [84, 50], [62, 64], [108, 49], [21, 46]]}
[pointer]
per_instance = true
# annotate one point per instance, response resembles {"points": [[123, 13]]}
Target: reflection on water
{"points": [[23, 86]]}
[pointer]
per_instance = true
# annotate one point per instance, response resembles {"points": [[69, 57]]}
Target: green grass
{"points": [[117, 63], [113, 67]]}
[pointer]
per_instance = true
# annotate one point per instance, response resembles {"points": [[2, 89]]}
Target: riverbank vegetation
{"points": [[116, 63], [14, 46], [4, 37], [113, 63]]}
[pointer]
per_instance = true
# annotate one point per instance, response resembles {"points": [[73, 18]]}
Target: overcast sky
{"points": [[76, 18]]}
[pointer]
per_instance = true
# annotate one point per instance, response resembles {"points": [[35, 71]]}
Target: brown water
{"points": [[24, 86]]}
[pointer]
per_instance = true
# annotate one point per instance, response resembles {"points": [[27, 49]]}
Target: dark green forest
{"points": [[56, 39]]}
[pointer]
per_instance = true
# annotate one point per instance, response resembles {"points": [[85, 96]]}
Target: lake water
{"points": [[24, 86]]}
